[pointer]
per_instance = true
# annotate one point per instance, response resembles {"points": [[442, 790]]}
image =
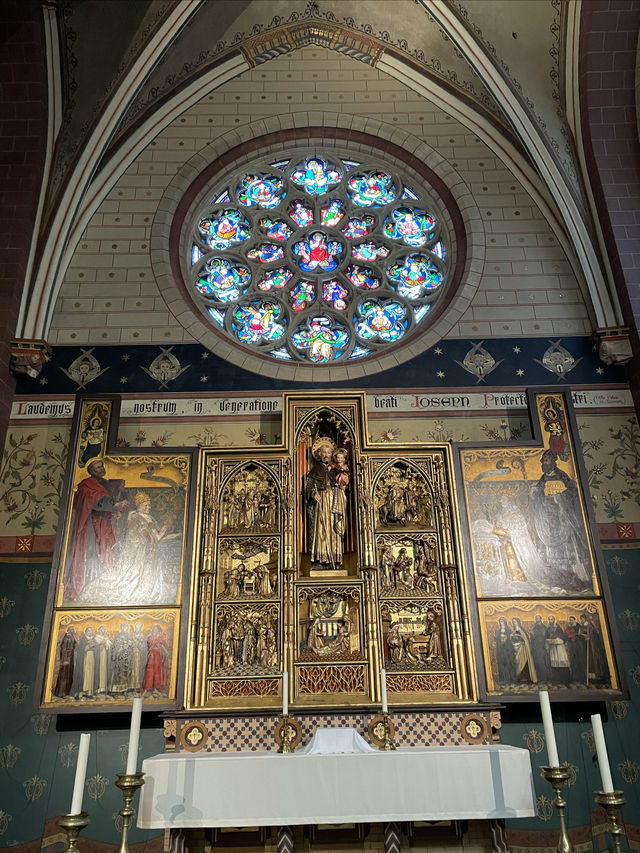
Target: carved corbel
{"points": [[614, 345], [28, 357]]}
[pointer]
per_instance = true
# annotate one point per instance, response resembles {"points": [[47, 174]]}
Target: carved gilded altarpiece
{"points": [[329, 557]]}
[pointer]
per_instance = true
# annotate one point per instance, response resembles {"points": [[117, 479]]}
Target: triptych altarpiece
{"points": [[195, 578]]}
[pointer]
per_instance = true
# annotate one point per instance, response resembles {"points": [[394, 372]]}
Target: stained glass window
{"points": [[318, 259]]}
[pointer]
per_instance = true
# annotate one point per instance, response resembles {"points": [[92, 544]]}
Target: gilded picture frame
{"points": [[121, 572], [541, 595]]}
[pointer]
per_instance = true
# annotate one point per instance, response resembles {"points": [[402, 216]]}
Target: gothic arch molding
{"points": [[87, 188]]}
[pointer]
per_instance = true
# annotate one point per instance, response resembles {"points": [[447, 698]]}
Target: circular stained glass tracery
{"points": [[318, 259]]}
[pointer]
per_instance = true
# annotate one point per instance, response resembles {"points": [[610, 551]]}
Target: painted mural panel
{"points": [[122, 551], [526, 515], [107, 656], [125, 536], [418, 427], [31, 476], [611, 452], [222, 431], [546, 645]]}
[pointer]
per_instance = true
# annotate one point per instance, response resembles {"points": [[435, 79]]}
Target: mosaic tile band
{"points": [[256, 733]]}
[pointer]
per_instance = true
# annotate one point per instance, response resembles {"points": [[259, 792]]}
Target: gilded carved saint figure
{"points": [[326, 502]]}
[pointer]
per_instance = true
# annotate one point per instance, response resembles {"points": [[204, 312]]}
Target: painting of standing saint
{"points": [[125, 536], [529, 534]]}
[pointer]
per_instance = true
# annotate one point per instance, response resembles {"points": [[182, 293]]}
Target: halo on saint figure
{"points": [[322, 441], [339, 450]]}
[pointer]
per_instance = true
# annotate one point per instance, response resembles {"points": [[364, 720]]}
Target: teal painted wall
{"points": [[38, 756], [523, 727], [37, 759]]}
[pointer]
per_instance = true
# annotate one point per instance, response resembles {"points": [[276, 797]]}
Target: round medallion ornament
{"points": [[474, 728], [619, 709], [317, 259], [377, 733], [295, 732], [193, 736]]}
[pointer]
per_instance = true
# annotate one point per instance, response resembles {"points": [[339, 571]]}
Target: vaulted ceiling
{"points": [[125, 70], [525, 41]]}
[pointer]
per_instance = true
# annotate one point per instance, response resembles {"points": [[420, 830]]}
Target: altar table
{"points": [[241, 789]]}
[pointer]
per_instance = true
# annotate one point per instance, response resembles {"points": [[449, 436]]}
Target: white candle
{"points": [[285, 694], [383, 691], [549, 733], [81, 774], [601, 750], [134, 736]]}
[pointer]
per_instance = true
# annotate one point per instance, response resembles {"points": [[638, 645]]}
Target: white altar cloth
{"points": [[330, 740], [184, 790]]}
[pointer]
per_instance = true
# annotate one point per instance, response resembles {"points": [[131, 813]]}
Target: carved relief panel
{"points": [[420, 585]]}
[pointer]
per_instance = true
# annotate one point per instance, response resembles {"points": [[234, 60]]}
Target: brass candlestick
{"points": [[388, 743], [128, 784], [287, 741], [73, 824], [612, 803], [557, 777]]}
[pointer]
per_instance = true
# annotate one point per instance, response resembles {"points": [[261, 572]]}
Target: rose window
{"points": [[318, 259]]}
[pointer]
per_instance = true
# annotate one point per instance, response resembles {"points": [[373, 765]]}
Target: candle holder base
{"points": [[612, 803], [557, 778], [128, 784], [288, 734], [73, 824]]}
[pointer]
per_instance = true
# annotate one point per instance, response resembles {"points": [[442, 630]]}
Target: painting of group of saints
{"points": [[526, 516], [111, 658], [547, 645]]}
